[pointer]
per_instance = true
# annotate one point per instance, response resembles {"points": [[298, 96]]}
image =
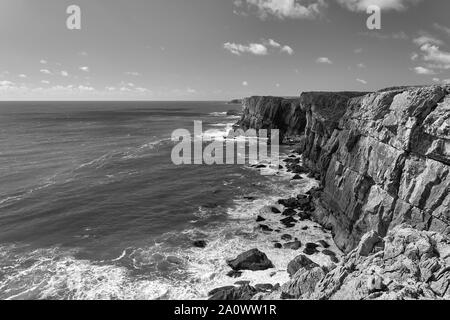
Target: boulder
{"points": [[251, 260]]}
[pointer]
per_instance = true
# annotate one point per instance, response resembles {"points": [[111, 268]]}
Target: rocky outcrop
{"points": [[406, 264]]}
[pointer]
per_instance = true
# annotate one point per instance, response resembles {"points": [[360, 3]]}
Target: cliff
{"points": [[383, 157]]}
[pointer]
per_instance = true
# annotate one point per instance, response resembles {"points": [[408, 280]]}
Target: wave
{"points": [[218, 114]]}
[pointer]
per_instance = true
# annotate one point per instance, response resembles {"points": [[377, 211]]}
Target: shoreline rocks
{"points": [[251, 260]]}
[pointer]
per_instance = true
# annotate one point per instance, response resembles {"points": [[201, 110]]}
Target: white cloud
{"points": [[436, 79], [6, 83], [362, 5], [422, 70], [358, 50], [132, 73], [324, 60], [85, 69], [85, 88], [45, 71], [253, 48], [288, 50], [23, 76], [43, 61], [64, 73], [361, 81], [277, 85], [427, 39], [272, 43], [361, 65], [191, 91], [442, 28], [414, 56], [244, 83], [281, 9], [434, 55], [45, 82], [83, 53]]}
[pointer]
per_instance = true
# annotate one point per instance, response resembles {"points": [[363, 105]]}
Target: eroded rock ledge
{"points": [[383, 158]]}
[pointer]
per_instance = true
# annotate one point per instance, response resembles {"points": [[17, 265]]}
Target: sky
{"points": [[217, 49]]}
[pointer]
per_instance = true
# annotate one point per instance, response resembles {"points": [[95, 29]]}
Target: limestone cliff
{"points": [[383, 157]]}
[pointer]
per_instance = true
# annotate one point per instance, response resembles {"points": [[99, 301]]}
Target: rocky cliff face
{"points": [[383, 157]]}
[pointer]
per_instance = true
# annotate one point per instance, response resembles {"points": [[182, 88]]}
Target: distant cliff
{"points": [[383, 157]]}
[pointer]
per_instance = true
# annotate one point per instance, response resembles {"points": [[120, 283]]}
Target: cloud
{"points": [[45, 71], [324, 60], [253, 48], [361, 65], [282, 9], [288, 50], [245, 83], [83, 53], [425, 38], [259, 49], [43, 61], [387, 5], [45, 81], [64, 73], [442, 28], [191, 91], [132, 73], [414, 56], [361, 81], [424, 71], [434, 55], [271, 43], [85, 69], [6, 83], [23, 76], [358, 50]]}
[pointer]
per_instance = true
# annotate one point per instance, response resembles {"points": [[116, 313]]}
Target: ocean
{"points": [[92, 207]]}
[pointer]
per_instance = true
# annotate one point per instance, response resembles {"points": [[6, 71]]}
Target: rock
{"points": [[289, 203], [305, 228], [251, 260], [368, 242], [288, 222], [295, 245], [375, 284], [264, 287], [244, 292], [297, 177], [298, 262], [234, 274], [242, 283], [200, 243], [323, 243], [278, 245], [310, 249], [303, 283], [260, 166], [263, 227], [275, 210], [260, 219], [250, 198], [286, 237], [289, 212]]}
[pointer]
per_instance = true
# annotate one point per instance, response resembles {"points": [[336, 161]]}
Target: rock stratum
{"points": [[383, 160]]}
